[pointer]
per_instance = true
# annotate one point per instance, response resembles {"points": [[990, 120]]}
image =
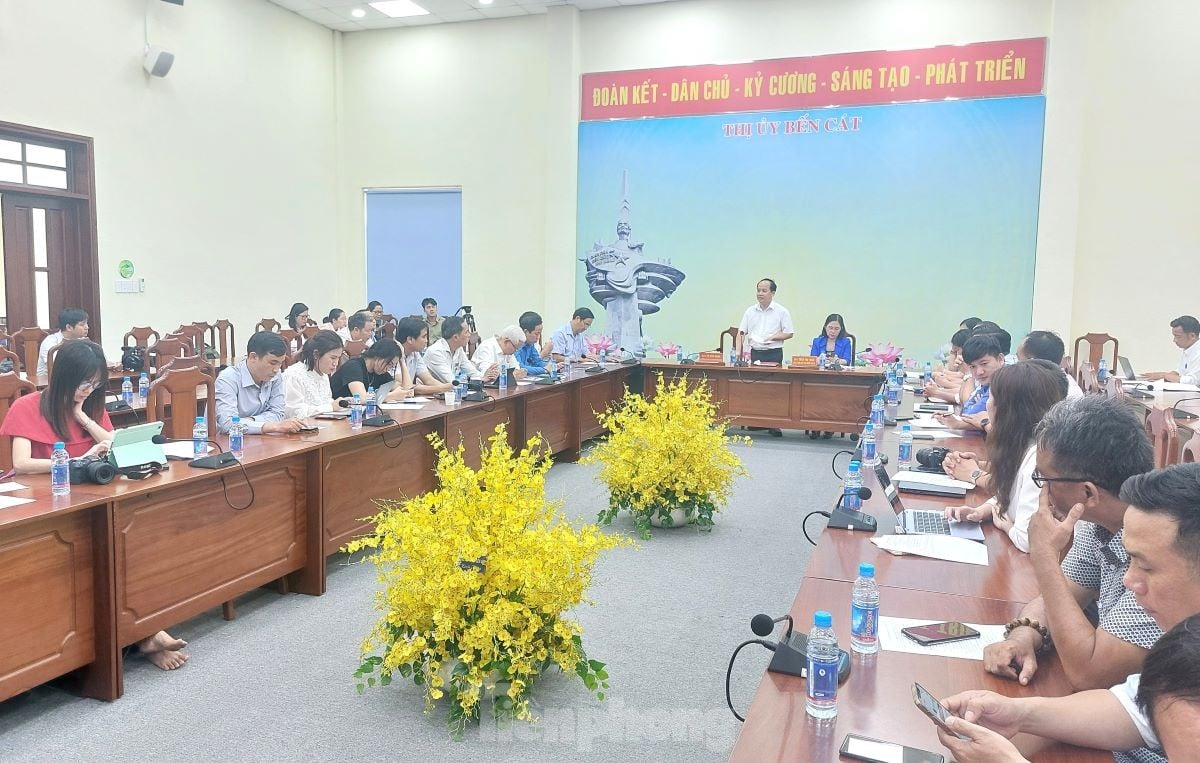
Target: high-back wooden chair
{"points": [[12, 357], [355, 347], [190, 392], [51, 354], [1095, 351], [388, 330], [144, 337], [166, 349], [209, 331], [189, 361], [309, 332], [226, 342], [1113, 387], [4, 337], [730, 332], [289, 336], [194, 336], [1164, 436], [12, 386], [266, 324], [1191, 450], [853, 347], [27, 343], [1068, 367], [1088, 380]]}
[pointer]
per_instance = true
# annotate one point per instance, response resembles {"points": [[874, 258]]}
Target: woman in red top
{"points": [[71, 411]]}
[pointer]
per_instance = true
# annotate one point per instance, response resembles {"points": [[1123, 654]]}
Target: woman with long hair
{"points": [[71, 411], [1021, 394]]}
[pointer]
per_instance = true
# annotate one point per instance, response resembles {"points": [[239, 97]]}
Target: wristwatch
{"points": [[975, 476]]}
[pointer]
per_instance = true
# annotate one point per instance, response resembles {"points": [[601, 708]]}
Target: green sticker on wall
{"points": [[125, 269]]}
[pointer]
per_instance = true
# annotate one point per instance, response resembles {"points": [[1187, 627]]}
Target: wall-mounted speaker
{"points": [[157, 62]]}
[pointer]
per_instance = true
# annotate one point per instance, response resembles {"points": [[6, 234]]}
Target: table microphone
{"points": [[218, 461], [849, 519], [791, 658]]}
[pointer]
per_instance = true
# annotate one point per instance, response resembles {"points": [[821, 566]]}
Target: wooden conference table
{"points": [[86, 574], [876, 700]]}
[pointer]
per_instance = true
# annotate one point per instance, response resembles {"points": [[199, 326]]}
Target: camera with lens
{"points": [[92, 469], [932, 458]]}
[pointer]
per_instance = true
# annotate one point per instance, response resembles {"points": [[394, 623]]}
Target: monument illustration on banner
{"points": [[625, 282]]}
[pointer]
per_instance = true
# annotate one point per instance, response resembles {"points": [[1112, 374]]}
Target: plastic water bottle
{"points": [[822, 364], [553, 371], [853, 481], [566, 367], [732, 358], [237, 438], [1102, 371], [905, 456], [60, 470], [143, 386], [199, 438], [372, 407], [126, 391], [356, 412], [892, 405], [603, 356], [927, 376], [823, 653], [877, 410], [864, 611], [868, 445], [679, 354], [503, 378], [460, 386]]}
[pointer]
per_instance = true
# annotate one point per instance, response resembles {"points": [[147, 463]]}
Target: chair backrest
{"points": [[1067, 366], [194, 336], [388, 330], [166, 349], [853, 347], [28, 342], [1095, 343], [181, 389], [1191, 450], [730, 332], [289, 336], [51, 354], [1164, 436], [12, 386], [14, 358], [1113, 387], [1088, 380], [189, 361], [310, 331], [355, 347], [266, 324], [226, 341], [140, 336]]}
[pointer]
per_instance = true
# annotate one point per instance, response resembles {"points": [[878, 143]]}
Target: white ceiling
{"points": [[335, 14]]}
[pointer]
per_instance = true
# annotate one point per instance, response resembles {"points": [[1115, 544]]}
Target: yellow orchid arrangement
{"points": [[668, 452], [477, 578]]}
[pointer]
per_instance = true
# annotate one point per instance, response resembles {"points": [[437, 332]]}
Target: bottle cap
{"points": [[199, 419], [126, 378], [237, 419], [823, 619], [356, 397], [870, 427], [855, 466], [370, 389], [59, 446], [906, 428], [866, 570]]}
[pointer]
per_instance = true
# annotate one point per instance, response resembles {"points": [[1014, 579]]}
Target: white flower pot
{"points": [[678, 519]]}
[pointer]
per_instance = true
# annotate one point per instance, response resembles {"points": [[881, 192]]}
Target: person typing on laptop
{"points": [[1185, 332], [71, 410], [1020, 396]]}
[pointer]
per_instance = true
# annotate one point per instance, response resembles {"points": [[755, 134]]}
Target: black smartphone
{"points": [[936, 711], [939, 633], [875, 751]]}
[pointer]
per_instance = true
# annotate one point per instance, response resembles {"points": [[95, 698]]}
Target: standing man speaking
{"points": [[765, 325]]}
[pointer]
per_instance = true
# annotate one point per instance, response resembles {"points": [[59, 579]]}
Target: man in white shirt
{"points": [[360, 328], [1046, 345], [413, 337], [72, 324], [1185, 331], [1162, 539], [490, 352], [765, 326], [448, 355]]}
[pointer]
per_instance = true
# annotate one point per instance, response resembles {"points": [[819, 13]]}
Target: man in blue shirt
{"points": [[253, 389], [529, 355], [569, 341]]}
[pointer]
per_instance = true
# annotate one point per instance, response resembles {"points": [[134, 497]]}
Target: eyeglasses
{"points": [[90, 386], [1041, 480]]}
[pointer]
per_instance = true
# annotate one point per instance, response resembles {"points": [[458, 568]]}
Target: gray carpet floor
{"points": [[276, 683]]}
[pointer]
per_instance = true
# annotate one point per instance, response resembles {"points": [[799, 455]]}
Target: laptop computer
{"points": [[904, 412], [923, 521], [924, 483], [512, 380]]}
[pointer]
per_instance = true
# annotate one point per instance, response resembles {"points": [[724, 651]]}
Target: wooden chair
{"points": [[226, 342], [355, 347], [1088, 380], [289, 336], [194, 336], [50, 355], [1095, 351], [853, 347], [166, 349], [730, 332], [388, 330], [266, 324], [4, 337], [1113, 387], [14, 358], [180, 388], [141, 336], [12, 386], [27, 344], [1191, 450], [210, 337], [1164, 436], [1067, 366], [189, 361], [310, 331]]}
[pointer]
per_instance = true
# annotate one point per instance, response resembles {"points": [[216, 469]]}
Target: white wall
{"points": [[217, 182]]}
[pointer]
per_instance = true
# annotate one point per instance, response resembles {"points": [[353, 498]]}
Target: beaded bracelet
{"points": [[1027, 622]]}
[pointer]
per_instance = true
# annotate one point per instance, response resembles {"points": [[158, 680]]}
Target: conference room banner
{"points": [[904, 217]]}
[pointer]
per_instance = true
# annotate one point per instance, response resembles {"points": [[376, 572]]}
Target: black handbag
{"points": [[133, 359]]}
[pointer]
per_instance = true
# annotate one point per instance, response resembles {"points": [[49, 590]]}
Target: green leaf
{"points": [[367, 667], [604, 684], [600, 696], [590, 681], [418, 678], [385, 680], [360, 688], [601, 674], [596, 665], [371, 681]]}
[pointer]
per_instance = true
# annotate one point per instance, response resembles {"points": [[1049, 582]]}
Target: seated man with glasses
{"points": [[1086, 449]]}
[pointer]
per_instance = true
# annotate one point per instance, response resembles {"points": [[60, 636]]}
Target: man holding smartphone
{"points": [[1162, 537], [1086, 449]]}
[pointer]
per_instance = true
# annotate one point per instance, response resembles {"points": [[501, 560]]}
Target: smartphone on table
{"points": [[939, 633], [876, 751], [936, 711]]}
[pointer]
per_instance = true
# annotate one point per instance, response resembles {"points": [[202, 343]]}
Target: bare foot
{"points": [[161, 642], [167, 660]]}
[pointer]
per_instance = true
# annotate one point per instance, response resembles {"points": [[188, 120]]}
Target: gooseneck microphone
{"points": [[762, 625], [218, 461]]}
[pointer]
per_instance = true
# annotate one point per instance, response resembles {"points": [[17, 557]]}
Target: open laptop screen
{"points": [[889, 489]]}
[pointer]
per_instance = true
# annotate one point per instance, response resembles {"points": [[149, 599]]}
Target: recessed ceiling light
{"points": [[398, 9], [358, 13]]}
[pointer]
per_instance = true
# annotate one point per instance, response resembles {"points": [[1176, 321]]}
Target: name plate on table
{"points": [[712, 358], [804, 361]]}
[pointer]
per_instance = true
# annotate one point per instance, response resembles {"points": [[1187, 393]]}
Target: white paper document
{"points": [[7, 501], [892, 640], [182, 451], [924, 421], [943, 547], [8, 487], [929, 478]]}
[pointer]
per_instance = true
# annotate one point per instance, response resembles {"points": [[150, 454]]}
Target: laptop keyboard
{"points": [[929, 523]]}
